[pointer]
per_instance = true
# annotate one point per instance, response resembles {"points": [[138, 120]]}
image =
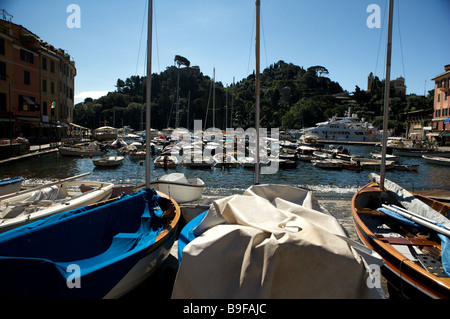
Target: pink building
{"points": [[441, 114]]}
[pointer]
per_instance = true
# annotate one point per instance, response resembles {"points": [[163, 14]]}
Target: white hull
{"points": [[443, 161], [11, 187], [74, 151], [108, 161], [24, 208], [180, 192]]}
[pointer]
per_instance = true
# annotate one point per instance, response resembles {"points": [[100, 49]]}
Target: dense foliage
{"points": [[291, 97]]}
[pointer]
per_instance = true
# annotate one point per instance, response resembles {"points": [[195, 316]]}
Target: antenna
{"points": [[5, 15]]}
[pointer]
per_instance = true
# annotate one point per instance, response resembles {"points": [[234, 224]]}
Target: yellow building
{"points": [[36, 85]]}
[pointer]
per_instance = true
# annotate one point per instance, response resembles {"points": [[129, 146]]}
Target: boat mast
{"points": [[387, 87], [148, 94], [257, 88]]}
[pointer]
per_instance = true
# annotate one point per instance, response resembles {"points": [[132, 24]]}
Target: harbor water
{"points": [[323, 182]]}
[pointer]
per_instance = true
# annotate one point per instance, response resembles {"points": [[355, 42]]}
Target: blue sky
{"points": [[220, 34]]}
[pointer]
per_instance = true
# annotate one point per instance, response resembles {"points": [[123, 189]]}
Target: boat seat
{"points": [[407, 241]]}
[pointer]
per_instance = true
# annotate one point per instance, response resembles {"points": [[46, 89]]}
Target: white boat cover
{"points": [[274, 241]]}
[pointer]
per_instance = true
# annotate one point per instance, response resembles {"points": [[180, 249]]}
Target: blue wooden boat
{"points": [[100, 251], [10, 185]]}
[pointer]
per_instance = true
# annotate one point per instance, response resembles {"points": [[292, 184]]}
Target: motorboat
{"points": [[346, 129], [178, 187], [328, 163], [108, 161], [224, 160], [81, 151], [438, 160]]}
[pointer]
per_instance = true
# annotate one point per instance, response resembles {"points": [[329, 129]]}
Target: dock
{"points": [[35, 150]]}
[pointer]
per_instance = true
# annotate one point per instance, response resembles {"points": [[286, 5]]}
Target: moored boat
{"points": [[178, 187], [10, 185], [417, 257], [83, 151], [99, 251], [108, 161], [444, 161], [29, 205]]}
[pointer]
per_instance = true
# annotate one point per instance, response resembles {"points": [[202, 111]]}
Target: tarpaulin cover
{"points": [[273, 242], [104, 243]]}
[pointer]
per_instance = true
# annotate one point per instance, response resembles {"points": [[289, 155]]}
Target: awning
{"points": [[29, 101], [447, 120]]}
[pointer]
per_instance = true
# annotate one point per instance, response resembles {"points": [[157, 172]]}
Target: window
{"points": [[52, 88], [44, 108], [26, 56], [44, 85], [439, 97], [52, 66], [44, 63], [27, 103], [2, 102], [3, 71], [26, 77], [2, 46], [446, 94]]}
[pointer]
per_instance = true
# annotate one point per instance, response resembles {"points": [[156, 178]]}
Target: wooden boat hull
{"points": [[109, 161], [71, 151], [117, 250], [409, 278]]}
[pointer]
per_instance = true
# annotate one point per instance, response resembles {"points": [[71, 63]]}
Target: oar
{"points": [[419, 219], [42, 186]]}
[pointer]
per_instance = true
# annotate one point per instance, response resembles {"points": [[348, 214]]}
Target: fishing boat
{"points": [[415, 255], [409, 232], [178, 187], [438, 160], [108, 161], [99, 251], [81, 151], [32, 204], [10, 185]]}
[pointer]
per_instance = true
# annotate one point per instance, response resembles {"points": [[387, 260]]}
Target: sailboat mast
{"points": [[148, 94], [257, 89], [387, 87]]}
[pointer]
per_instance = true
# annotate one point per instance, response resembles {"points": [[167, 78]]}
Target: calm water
{"points": [[230, 181]]}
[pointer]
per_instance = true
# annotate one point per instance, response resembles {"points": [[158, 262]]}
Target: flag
{"points": [[53, 105]]}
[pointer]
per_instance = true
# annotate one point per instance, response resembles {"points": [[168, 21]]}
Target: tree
{"points": [[179, 60]]}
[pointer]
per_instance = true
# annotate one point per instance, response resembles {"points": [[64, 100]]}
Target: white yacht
{"points": [[348, 128]]}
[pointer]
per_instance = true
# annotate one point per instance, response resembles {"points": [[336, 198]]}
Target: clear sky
{"points": [[111, 40]]}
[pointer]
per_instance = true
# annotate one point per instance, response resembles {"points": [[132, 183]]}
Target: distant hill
{"points": [[291, 97]]}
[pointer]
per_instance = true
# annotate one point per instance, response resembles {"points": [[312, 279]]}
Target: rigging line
{"points": [[381, 36], [400, 37], [251, 42], [264, 38], [156, 34], [140, 39]]}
